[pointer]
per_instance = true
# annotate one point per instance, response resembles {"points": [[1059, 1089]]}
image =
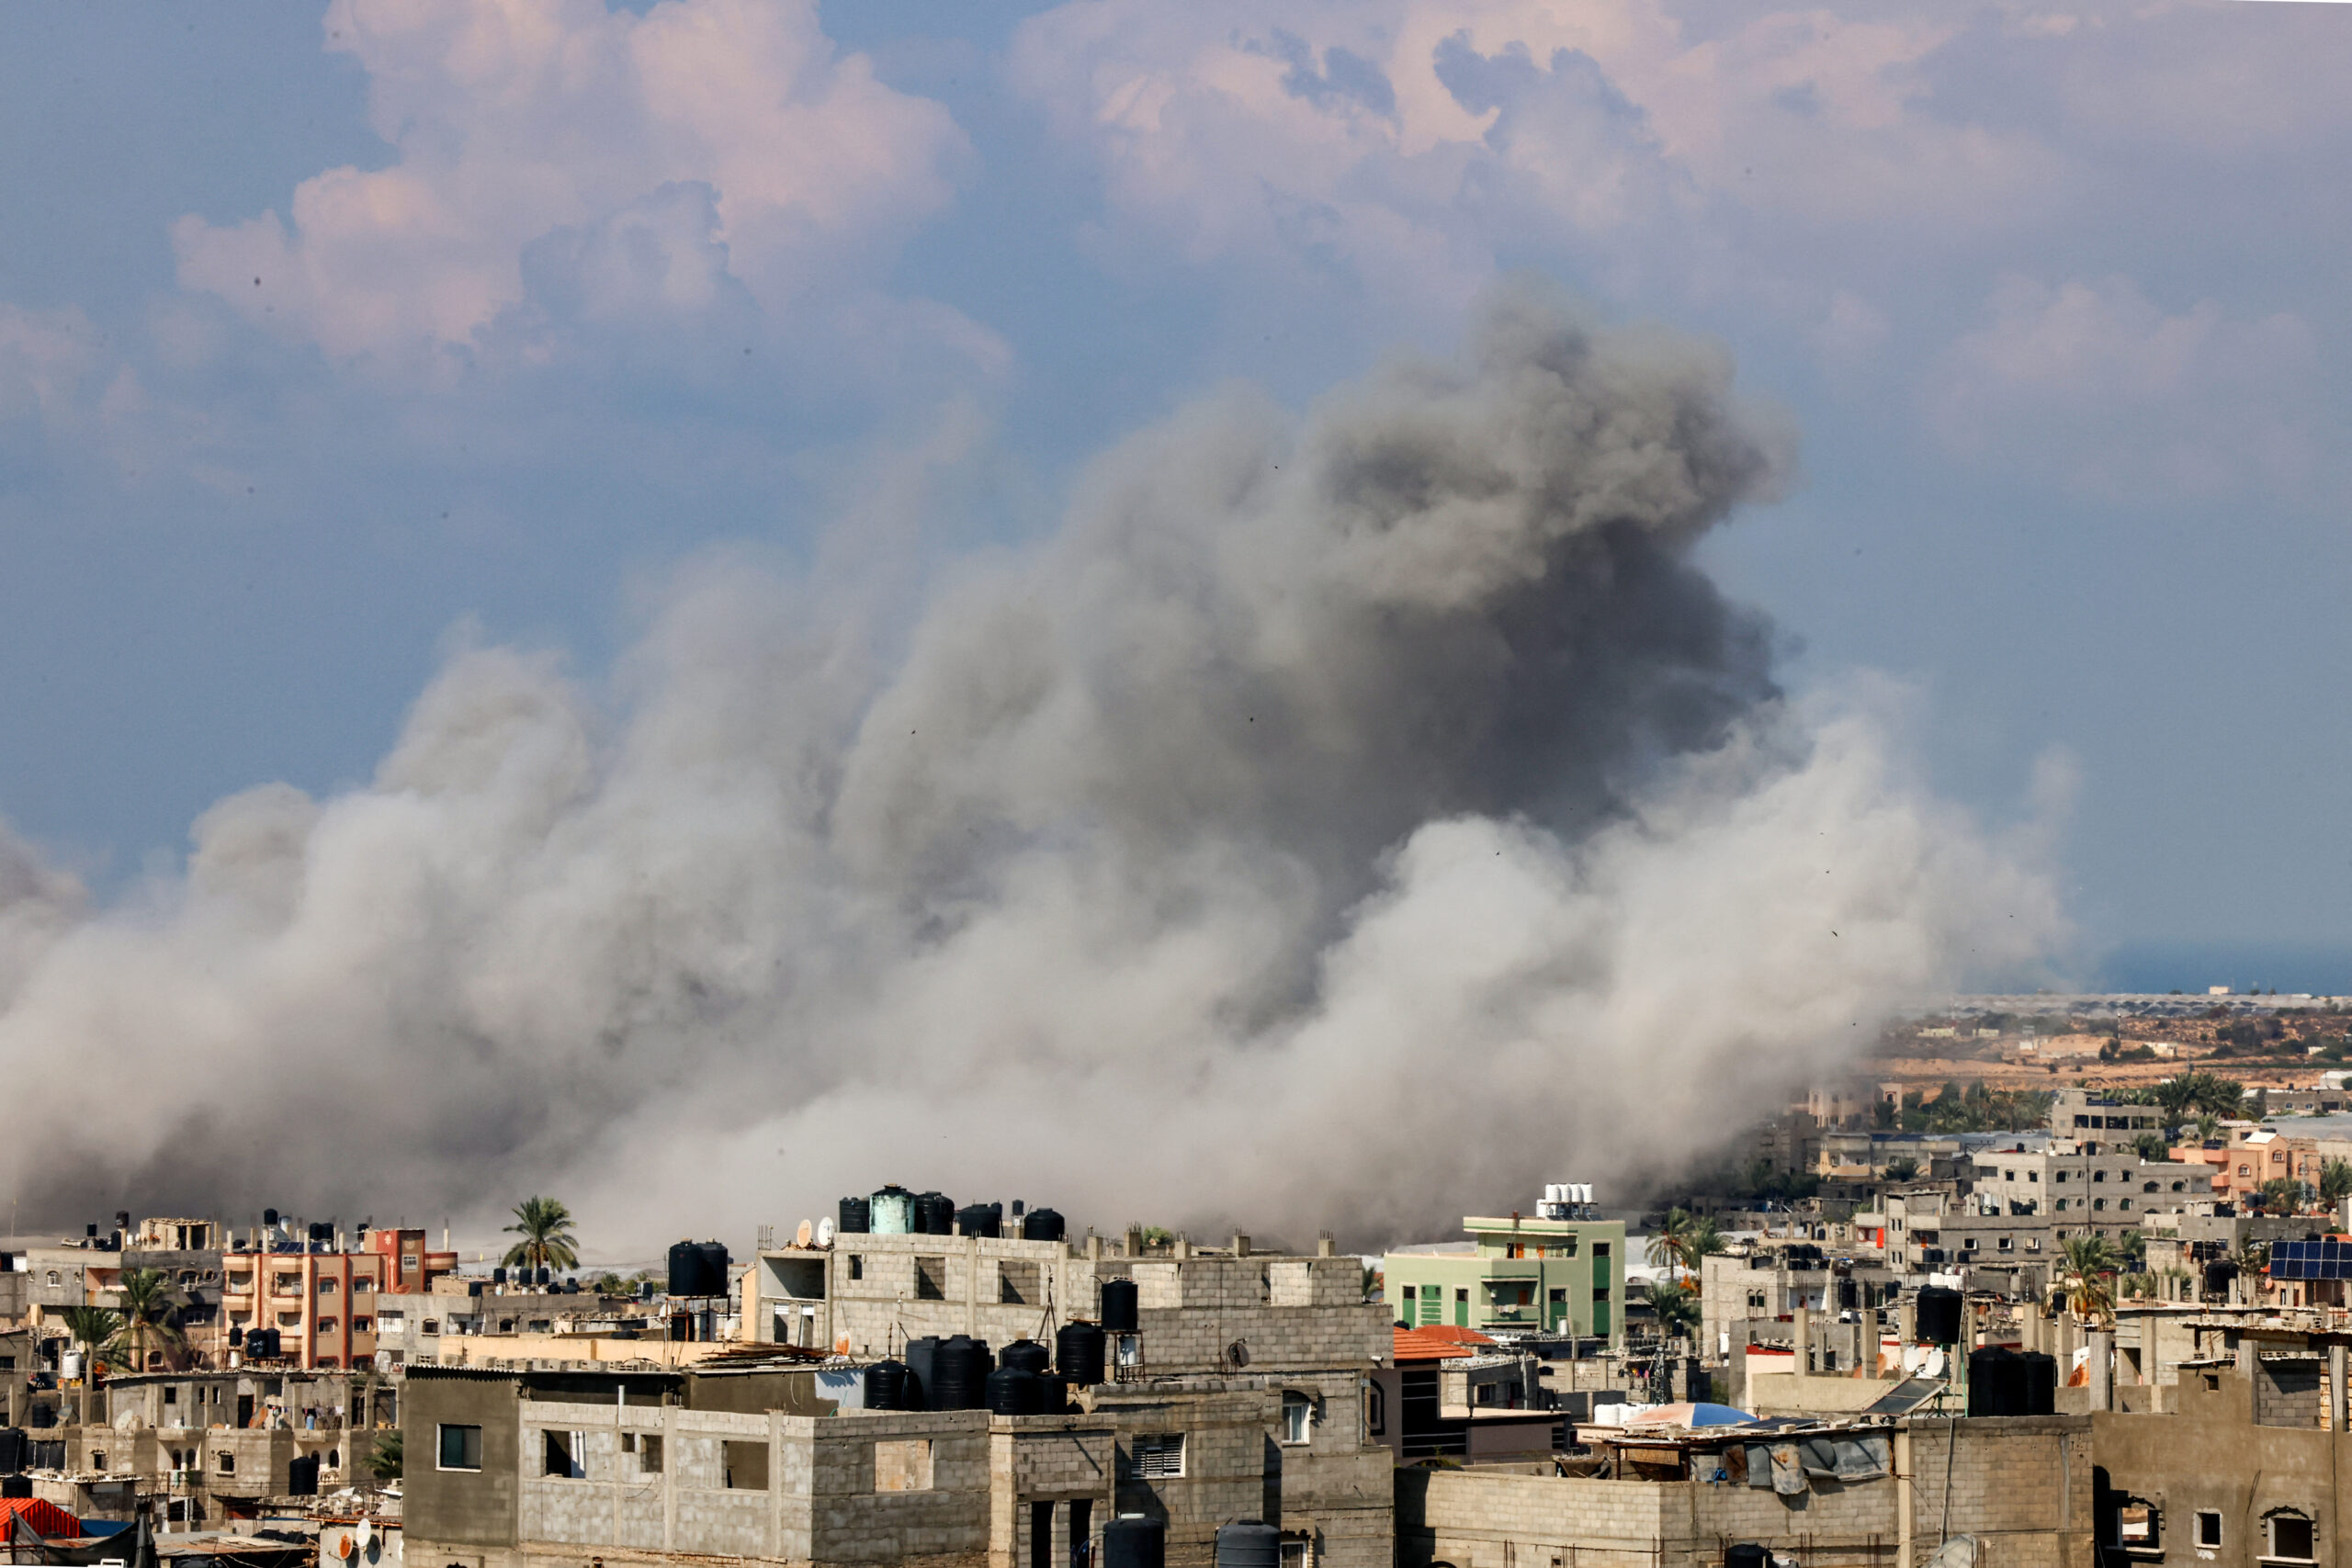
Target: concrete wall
{"points": [[2213, 1457], [1301, 1311], [2022, 1485]]}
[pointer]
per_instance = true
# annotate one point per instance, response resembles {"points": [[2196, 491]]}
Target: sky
{"points": [[333, 342]]}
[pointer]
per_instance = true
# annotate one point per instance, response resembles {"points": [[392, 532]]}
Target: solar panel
{"points": [[2311, 1260], [1907, 1396]]}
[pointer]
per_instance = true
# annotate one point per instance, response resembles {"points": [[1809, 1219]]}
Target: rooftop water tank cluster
{"points": [[1566, 1201], [958, 1372], [894, 1211], [697, 1269]]}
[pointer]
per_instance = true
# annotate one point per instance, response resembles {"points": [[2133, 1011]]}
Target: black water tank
{"points": [[1027, 1355], [16, 1486], [959, 1374], [1041, 1225], [268, 1217], [1747, 1554], [1938, 1315], [498, 1276], [923, 1371], [1078, 1353], [935, 1214], [1131, 1540], [856, 1214], [236, 1336], [1245, 1543], [1119, 1307], [690, 1272], [1015, 1392], [980, 1219], [12, 1450], [885, 1386], [1995, 1382], [1053, 1395], [2038, 1373]]}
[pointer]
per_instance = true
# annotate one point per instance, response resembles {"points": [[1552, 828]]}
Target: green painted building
{"points": [[1524, 1275]]}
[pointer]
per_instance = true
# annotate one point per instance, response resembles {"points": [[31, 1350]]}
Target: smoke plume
{"points": [[1348, 819]]}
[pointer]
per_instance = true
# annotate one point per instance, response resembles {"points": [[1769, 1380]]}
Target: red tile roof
{"points": [[1437, 1342]]}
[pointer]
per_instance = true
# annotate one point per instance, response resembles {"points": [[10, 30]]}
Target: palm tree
{"points": [[2087, 1266], [2151, 1145], [2208, 1127], [1677, 1310], [384, 1462], [148, 1304], [94, 1328], [545, 1226], [2335, 1181], [1666, 1241], [1704, 1239], [2281, 1195]]}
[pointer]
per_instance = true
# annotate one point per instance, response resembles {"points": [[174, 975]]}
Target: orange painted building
{"points": [[322, 1304]]}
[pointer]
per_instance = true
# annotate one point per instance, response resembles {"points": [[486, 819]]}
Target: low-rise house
{"points": [[1517, 1275], [2020, 1487]]}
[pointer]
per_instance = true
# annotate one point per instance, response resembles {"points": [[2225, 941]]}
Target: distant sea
{"points": [[2324, 969]]}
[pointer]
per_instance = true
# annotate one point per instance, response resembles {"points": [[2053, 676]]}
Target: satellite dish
{"points": [[364, 1534], [802, 1237], [824, 1233]]}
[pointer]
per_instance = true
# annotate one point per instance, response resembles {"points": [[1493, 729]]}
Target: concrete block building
{"points": [[1561, 1277], [531, 1469]]}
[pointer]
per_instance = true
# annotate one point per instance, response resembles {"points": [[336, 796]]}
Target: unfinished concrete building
{"points": [[1238, 1394], [1836, 1496]]}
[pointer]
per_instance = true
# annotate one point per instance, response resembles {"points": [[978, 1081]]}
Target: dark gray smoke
{"points": [[1349, 820]]}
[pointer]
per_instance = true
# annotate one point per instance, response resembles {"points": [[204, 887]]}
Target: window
{"points": [[646, 1446], [432, 1325], [2245, 1170], [2123, 1202], [2136, 1527], [1409, 1293], [856, 1267], [2291, 1538], [363, 1326], [2098, 1202], [2059, 1177], [2007, 1242], [930, 1278], [1298, 1414], [2099, 1176], [1375, 1410], [99, 1460], [2151, 1187], [461, 1447], [506, 1326], [391, 1322], [326, 1326], [2208, 1527], [746, 1465], [289, 1320], [170, 1394], [326, 1286], [286, 1284], [564, 1454], [1293, 1554], [225, 1462], [1158, 1456], [362, 1284], [2033, 1176], [903, 1465]]}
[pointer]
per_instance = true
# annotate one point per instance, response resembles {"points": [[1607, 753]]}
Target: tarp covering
{"points": [[46, 1518]]}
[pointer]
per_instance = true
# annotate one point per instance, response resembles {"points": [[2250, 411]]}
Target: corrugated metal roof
{"points": [[1438, 1342]]}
